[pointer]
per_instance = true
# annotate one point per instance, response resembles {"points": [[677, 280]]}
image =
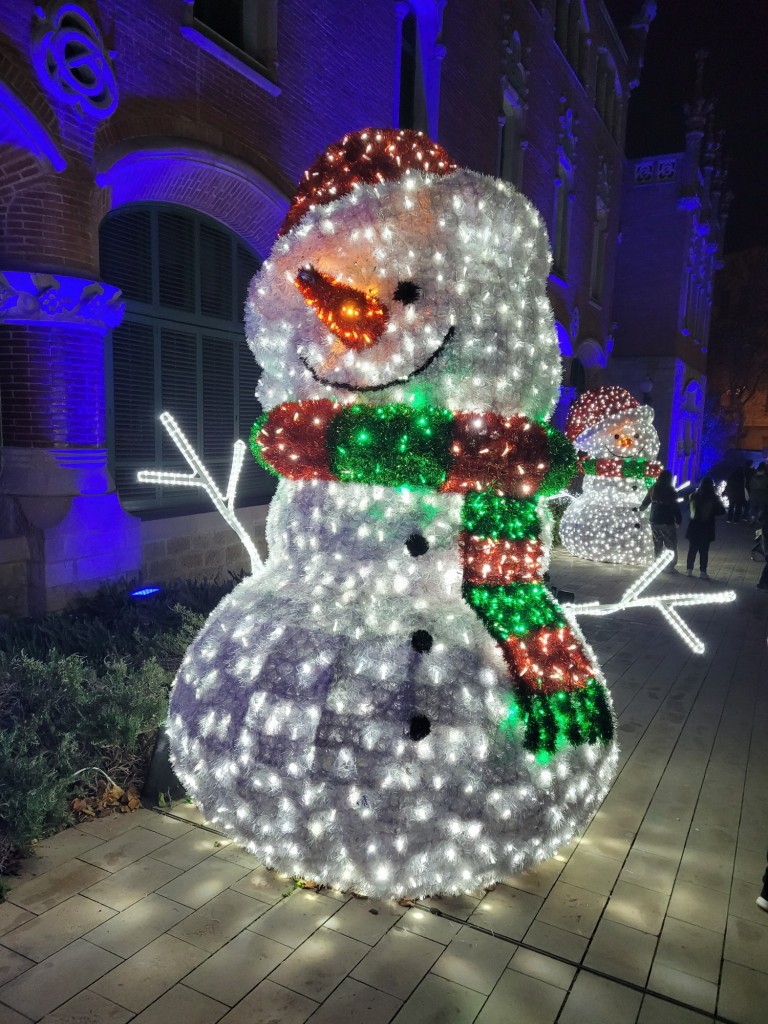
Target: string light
{"points": [[396, 703]]}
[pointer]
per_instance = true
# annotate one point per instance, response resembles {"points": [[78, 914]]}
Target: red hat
{"points": [[594, 406], [367, 157]]}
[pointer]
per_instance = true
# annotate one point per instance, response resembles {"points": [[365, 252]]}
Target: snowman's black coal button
{"points": [[421, 641], [417, 544], [420, 727], [637, 526]]}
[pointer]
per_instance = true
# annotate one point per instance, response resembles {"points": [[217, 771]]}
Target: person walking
{"points": [[705, 506], [758, 493], [762, 583], [665, 516], [736, 493]]}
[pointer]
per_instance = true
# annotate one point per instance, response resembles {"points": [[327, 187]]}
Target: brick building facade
{"points": [[160, 140]]}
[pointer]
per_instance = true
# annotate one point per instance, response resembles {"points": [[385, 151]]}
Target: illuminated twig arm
{"points": [[667, 604], [200, 477]]}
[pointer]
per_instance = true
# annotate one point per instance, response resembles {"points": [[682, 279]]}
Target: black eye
{"points": [[406, 292], [636, 436], [616, 436]]}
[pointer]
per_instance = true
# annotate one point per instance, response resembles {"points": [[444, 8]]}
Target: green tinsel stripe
{"points": [[391, 445], [550, 720], [256, 447], [634, 468], [516, 609], [563, 463], [488, 515]]}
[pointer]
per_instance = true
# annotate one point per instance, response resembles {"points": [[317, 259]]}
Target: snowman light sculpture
{"points": [[617, 440], [394, 703]]}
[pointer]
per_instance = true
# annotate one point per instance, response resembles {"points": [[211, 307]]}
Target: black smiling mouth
{"points": [[344, 386]]}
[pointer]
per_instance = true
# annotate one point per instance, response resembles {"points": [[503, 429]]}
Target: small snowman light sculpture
{"points": [[394, 703], [616, 440]]}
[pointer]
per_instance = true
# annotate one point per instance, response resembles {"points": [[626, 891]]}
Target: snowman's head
{"points": [[609, 423], [401, 278]]}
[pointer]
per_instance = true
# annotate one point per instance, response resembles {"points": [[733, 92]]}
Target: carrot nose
{"points": [[357, 318], [625, 441]]}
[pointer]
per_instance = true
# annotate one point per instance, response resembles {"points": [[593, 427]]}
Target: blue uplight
{"points": [[145, 592]]}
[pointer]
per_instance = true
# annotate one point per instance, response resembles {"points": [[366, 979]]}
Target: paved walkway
{"points": [[650, 918]]}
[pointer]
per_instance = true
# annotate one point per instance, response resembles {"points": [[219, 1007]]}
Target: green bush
{"points": [[86, 689]]}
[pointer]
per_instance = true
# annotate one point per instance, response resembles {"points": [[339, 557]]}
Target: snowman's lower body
{"points": [[291, 726], [606, 532]]}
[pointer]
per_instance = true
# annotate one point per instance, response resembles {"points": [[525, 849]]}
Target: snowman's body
{"points": [[290, 715], [604, 523]]}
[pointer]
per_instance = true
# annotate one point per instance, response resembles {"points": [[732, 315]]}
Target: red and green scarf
{"points": [[502, 466]]}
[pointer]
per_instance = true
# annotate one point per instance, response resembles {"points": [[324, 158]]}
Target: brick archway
{"points": [[204, 179]]}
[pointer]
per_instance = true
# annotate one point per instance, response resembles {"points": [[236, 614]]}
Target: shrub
{"points": [[86, 689]]}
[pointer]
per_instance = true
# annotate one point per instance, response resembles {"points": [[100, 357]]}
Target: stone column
{"points": [[56, 493]]}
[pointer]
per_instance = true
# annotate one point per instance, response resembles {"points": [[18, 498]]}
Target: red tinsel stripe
{"points": [[294, 439], [509, 455], [548, 661], [496, 563]]}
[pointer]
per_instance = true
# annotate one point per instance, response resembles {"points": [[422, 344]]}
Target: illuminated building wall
{"points": [[185, 108]]}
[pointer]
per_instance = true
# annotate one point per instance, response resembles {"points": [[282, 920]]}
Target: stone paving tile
{"points": [[238, 967], [746, 943], [12, 964], [742, 901], [12, 916], [521, 998], [705, 868], [320, 964], [636, 906], [183, 1005], [543, 967], [430, 926], [539, 880], [599, 1001], [455, 906], [706, 908], [591, 871], [621, 952], [743, 994], [125, 849], [572, 909], [219, 920], [659, 1011], [88, 1008], [657, 873], [475, 960], [145, 976], [9, 1016], [56, 850], [164, 823], [355, 1003], [202, 882], [685, 987], [398, 962], [59, 884], [128, 886], [264, 885], [51, 931], [507, 911], [438, 1001], [131, 929], [555, 940], [688, 948], [365, 920], [190, 849], [56, 980], [295, 918], [239, 856], [271, 1004]]}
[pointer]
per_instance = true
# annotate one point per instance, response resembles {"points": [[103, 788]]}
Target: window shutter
{"points": [[215, 273], [178, 391], [176, 260], [218, 401], [125, 254], [135, 418]]}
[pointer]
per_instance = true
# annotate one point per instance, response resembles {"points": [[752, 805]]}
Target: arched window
{"points": [[515, 91], [180, 348], [562, 217], [572, 35], [420, 56], [578, 377], [608, 95], [248, 25]]}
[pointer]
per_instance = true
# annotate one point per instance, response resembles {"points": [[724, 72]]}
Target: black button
{"points": [[637, 526], [420, 727], [417, 544], [421, 641]]}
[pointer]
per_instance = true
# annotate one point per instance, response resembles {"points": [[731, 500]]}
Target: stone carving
{"points": [[72, 61], [27, 298]]}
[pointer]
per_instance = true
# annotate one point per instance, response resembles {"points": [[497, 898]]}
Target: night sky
{"points": [[735, 33]]}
